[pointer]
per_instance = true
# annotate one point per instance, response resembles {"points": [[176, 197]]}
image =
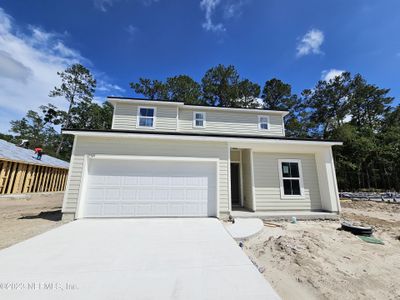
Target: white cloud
{"points": [[29, 63], [104, 5], [310, 43], [209, 6], [103, 86], [328, 75], [233, 9], [132, 30]]}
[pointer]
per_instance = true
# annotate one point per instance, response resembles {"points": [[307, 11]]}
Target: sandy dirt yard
{"points": [[22, 218], [315, 260]]}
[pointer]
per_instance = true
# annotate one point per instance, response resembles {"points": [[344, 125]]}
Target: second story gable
{"points": [[152, 115]]}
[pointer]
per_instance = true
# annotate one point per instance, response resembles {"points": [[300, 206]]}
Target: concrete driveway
{"points": [[131, 259]]}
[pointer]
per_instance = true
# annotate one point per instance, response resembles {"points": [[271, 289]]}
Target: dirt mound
{"points": [[315, 260]]}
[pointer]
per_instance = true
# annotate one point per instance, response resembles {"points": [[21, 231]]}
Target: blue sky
{"points": [[298, 42]]}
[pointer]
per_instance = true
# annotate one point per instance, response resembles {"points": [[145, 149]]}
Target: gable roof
{"points": [[11, 152]]}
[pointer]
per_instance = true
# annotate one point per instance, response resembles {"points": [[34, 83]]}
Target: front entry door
{"points": [[235, 184]]}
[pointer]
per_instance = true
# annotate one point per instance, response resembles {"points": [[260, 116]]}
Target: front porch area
{"points": [[279, 182], [284, 215]]}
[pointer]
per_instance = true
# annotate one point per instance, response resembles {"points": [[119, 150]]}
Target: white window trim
{"points": [[259, 123], [204, 119], [290, 160], [138, 117]]}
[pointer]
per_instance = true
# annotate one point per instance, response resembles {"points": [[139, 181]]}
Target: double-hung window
{"points": [[263, 122], [291, 178], [146, 117], [199, 119]]}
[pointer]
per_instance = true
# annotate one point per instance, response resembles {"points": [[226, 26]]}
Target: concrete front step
{"points": [[285, 215]]}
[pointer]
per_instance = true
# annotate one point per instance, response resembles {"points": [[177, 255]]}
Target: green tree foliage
{"points": [[329, 104], [345, 108], [183, 88], [359, 114], [222, 86], [37, 131], [152, 89], [177, 88], [368, 103], [277, 95], [77, 86]]}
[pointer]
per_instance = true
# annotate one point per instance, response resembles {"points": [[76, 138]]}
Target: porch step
{"points": [[244, 228]]}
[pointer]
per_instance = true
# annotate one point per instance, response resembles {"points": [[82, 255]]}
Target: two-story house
{"points": [[163, 158]]}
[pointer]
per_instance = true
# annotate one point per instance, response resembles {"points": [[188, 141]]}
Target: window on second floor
{"points": [[263, 122], [199, 119], [146, 117]]}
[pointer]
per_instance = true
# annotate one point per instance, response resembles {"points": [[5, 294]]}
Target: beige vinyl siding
{"points": [[125, 117], [247, 184], [230, 122], [144, 147], [267, 185]]}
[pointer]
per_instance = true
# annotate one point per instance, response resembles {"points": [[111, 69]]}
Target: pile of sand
{"points": [[315, 260]]}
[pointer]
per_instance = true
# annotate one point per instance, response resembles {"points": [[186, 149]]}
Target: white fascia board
{"points": [[113, 101], [234, 141], [242, 110]]}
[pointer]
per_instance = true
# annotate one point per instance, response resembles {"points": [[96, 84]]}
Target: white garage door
{"points": [[138, 188]]}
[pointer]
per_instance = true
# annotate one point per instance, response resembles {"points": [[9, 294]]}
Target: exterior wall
{"points": [[327, 179], [247, 180], [143, 147], [125, 117], [267, 185], [224, 122], [21, 178], [230, 122]]}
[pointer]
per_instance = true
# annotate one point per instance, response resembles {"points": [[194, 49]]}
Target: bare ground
{"points": [[23, 218], [315, 260]]}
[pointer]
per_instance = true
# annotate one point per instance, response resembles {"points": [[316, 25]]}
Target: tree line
{"points": [[345, 108]]}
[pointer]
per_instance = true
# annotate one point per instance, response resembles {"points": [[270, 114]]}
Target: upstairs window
{"points": [[291, 178], [146, 117], [263, 122], [199, 119]]}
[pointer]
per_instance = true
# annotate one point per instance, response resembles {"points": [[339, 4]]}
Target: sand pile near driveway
{"points": [[314, 260]]}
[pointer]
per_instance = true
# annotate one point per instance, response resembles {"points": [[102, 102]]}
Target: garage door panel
{"points": [[128, 194], [130, 180], [150, 188]]}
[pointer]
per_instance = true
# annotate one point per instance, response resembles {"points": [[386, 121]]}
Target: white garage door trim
{"points": [[88, 158]]}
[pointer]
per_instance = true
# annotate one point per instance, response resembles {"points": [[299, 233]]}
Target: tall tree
{"points": [[277, 95], [222, 86], [77, 85], [177, 88], [329, 103], [368, 103], [90, 115], [183, 88], [152, 89]]}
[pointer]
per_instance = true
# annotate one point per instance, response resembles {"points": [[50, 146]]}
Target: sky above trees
{"points": [[299, 42]]}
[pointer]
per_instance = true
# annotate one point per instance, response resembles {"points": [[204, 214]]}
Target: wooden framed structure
{"points": [[21, 172]]}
